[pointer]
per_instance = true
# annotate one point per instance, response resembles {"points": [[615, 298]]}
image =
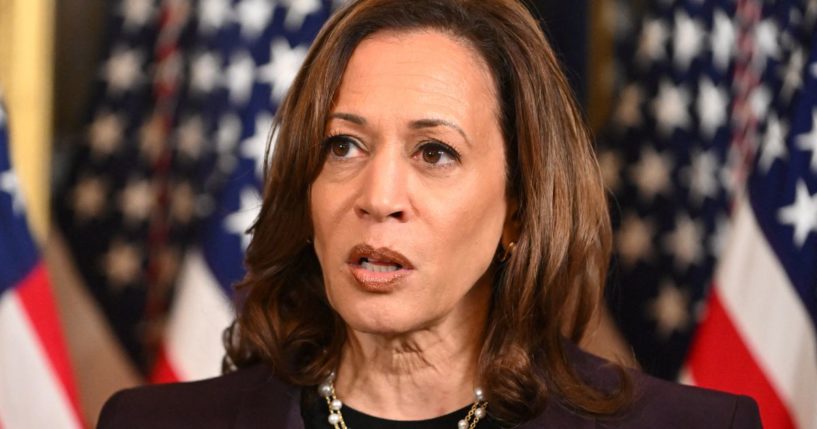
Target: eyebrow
{"points": [[432, 123], [355, 119], [415, 125]]}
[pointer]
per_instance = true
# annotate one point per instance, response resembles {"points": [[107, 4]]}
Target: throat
{"points": [[405, 382]]}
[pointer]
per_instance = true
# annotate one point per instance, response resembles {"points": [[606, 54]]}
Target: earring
{"points": [[508, 252]]}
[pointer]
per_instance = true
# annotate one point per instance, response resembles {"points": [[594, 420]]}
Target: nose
{"points": [[384, 194]]}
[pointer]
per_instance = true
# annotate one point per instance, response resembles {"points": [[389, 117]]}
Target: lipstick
{"points": [[378, 269]]}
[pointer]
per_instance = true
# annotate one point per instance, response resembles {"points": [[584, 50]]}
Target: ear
{"points": [[512, 227]]}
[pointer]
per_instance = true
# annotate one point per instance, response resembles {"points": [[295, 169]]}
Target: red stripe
{"points": [[719, 359], [163, 371], [38, 302]]}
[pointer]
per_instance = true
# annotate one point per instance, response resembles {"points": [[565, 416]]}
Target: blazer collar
{"points": [[271, 403]]}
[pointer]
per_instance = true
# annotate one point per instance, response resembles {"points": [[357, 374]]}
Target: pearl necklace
{"points": [[335, 419]]}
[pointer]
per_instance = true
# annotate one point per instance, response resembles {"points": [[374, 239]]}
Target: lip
{"points": [[377, 281]]}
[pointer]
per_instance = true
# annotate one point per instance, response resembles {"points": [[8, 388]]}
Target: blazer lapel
{"points": [[557, 416], [271, 404]]}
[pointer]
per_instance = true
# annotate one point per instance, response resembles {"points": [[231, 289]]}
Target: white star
{"points": [[793, 74], [254, 16], [282, 68], [717, 240], [628, 111], [213, 14], [255, 146], [190, 137], [669, 310], [228, 133], [811, 14], [136, 13], [183, 203], [808, 141], [205, 72], [239, 78], [760, 99], [684, 242], [227, 136], [610, 165], [801, 214], [701, 176], [773, 144], [687, 41], [651, 45], [105, 134], [713, 103], [122, 264], [88, 198], [137, 200], [10, 184], [670, 107], [634, 239], [123, 70], [297, 11], [766, 41], [722, 40], [241, 220], [652, 173]]}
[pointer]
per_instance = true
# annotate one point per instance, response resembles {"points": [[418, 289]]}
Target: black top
{"points": [[253, 397], [316, 413]]}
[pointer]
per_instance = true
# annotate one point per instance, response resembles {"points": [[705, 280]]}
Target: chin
{"points": [[378, 317]]}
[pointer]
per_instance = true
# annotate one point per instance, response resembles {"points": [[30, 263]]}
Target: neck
{"points": [[414, 376]]}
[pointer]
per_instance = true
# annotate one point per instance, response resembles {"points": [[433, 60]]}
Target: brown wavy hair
{"points": [[546, 291]]}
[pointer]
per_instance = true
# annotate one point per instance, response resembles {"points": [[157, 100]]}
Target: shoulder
{"points": [[659, 403], [217, 402]]}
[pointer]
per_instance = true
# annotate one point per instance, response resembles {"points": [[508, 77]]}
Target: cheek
{"points": [[322, 212], [468, 227]]}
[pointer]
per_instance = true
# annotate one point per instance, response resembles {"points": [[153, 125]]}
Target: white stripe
{"points": [[31, 395], [201, 311], [766, 310]]}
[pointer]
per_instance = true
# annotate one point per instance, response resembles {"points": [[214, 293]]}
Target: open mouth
{"points": [[378, 266], [378, 260]]}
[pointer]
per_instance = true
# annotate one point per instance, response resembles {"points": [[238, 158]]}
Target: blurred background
{"points": [[132, 139]]}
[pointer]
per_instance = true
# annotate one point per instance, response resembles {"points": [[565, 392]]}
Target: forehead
{"points": [[426, 63]]}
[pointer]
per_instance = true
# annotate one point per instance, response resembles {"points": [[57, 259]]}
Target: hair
{"points": [[547, 290]]}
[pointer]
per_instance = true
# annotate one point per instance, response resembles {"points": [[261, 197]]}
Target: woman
{"points": [[433, 241]]}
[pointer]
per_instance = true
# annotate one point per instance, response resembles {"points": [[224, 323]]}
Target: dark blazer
{"points": [[254, 398]]}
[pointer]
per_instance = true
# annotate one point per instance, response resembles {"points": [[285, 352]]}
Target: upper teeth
{"points": [[366, 265]]}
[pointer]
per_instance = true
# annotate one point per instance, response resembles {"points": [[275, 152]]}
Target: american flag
{"points": [[243, 56], [161, 192], [762, 312], [35, 372], [124, 206], [665, 164], [746, 296]]}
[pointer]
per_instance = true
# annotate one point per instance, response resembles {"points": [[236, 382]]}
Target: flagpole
{"points": [[26, 77]]}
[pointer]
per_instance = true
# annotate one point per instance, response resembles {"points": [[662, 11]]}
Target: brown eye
{"points": [[340, 148], [432, 155], [438, 154]]}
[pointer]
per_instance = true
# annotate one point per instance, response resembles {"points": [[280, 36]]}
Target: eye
{"points": [[438, 154], [341, 147]]}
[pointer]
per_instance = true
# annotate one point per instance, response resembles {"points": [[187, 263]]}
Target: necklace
{"points": [[335, 419]]}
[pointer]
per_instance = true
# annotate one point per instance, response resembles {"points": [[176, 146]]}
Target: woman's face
{"points": [[410, 204]]}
